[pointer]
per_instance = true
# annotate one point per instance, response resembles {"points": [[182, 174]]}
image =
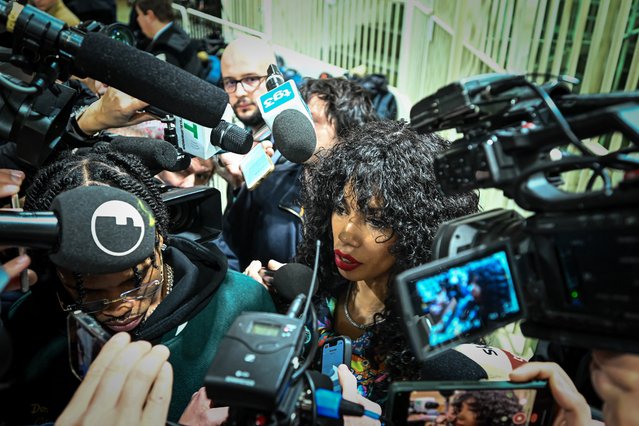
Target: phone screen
{"points": [[466, 298], [255, 166], [333, 353], [511, 406], [86, 339]]}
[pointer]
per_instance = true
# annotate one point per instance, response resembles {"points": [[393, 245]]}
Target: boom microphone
{"points": [[91, 229], [156, 154], [146, 77], [126, 68]]}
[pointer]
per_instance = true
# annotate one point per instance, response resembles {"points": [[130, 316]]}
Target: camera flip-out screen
{"points": [[457, 299]]}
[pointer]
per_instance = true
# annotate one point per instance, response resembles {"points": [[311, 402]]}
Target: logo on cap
{"points": [[117, 228]]}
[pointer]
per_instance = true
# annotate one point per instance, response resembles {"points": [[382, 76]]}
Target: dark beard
{"points": [[254, 121]]}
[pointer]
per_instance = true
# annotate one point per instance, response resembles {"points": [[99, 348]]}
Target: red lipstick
{"points": [[345, 262]]}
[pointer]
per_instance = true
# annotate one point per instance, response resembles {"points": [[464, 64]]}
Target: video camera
{"points": [[572, 268], [35, 114]]}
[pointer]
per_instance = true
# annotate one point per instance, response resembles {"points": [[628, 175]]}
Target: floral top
{"points": [[371, 383]]}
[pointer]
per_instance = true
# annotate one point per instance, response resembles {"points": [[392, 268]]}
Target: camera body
{"points": [[578, 254]]}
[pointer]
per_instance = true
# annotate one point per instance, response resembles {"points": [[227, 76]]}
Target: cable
{"points": [[10, 85], [311, 388], [311, 291], [313, 350], [561, 121]]}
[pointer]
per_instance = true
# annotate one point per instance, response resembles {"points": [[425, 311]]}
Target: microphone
{"points": [[117, 64], [91, 229], [150, 79], [294, 135], [283, 96], [156, 154], [192, 138], [292, 280]]}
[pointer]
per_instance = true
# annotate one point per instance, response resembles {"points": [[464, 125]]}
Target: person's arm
{"points": [[573, 408], [615, 377], [348, 382], [114, 109], [129, 383]]}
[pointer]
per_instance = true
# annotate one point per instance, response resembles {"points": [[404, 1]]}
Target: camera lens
{"points": [[119, 32]]}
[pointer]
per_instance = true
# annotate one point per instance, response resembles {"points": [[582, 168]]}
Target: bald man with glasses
{"points": [[265, 223]]}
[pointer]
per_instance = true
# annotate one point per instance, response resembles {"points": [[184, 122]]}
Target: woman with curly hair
{"points": [[486, 408], [374, 203]]}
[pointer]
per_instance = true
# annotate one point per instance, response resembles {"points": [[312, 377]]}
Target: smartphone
{"points": [[459, 299], [449, 403], [255, 166], [335, 351], [86, 338]]}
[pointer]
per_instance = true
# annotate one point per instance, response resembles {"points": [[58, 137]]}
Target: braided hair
{"points": [[385, 161], [100, 165]]}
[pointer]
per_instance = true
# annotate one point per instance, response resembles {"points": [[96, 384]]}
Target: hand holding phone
{"points": [[255, 166], [86, 339], [335, 351], [572, 406], [453, 402], [108, 389]]}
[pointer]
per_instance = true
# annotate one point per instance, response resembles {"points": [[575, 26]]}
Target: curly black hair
{"points": [[491, 407], [348, 105], [100, 165], [385, 161]]}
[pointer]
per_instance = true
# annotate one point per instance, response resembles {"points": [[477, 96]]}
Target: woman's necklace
{"points": [[348, 316]]}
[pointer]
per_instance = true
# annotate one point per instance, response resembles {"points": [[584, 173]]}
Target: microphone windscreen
{"points": [[156, 154], [292, 279], [294, 136], [102, 230], [232, 138], [150, 79]]}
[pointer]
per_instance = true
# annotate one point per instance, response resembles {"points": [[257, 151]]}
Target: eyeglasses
{"points": [[250, 83], [142, 292]]}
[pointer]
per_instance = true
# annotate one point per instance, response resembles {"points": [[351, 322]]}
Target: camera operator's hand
{"points": [[228, 165], [615, 377], [129, 383], [200, 413], [114, 109], [10, 181], [348, 382], [573, 408]]}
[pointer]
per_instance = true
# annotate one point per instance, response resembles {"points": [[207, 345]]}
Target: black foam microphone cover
{"points": [[294, 136], [232, 138], [156, 154], [292, 279], [150, 79], [102, 230]]}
